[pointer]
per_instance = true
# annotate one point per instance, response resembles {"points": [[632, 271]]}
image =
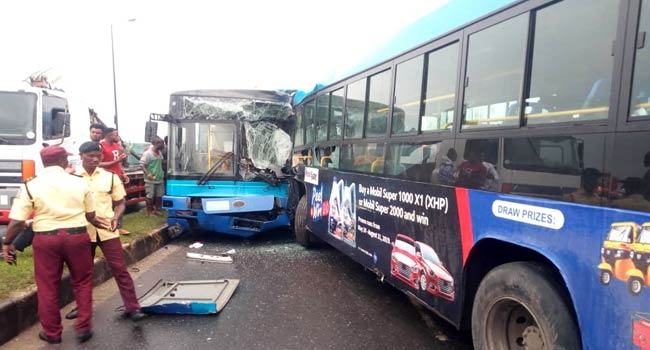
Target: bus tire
{"points": [[520, 305], [303, 236]]}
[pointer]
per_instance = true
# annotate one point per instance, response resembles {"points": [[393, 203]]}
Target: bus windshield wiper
{"points": [[5, 141], [204, 179]]}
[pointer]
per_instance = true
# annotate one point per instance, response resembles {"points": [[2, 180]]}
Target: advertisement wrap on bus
{"points": [[497, 171], [418, 238]]}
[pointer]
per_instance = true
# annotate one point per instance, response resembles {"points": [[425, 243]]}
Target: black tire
{"points": [[521, 305], [303, 236]]}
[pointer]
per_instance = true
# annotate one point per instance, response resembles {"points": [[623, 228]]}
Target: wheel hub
{"points": [[532, 338]]}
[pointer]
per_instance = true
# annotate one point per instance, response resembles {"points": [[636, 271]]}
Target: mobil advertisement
{"points": [[405, 232]]}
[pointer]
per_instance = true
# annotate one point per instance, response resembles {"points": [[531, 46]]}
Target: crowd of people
{"points": [[76, 210]]}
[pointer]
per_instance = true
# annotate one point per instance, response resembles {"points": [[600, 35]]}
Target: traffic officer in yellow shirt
{"points": [[109, 196], [62, 205]]}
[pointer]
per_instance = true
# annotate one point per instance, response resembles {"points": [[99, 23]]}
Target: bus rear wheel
{"points": [[303, 236], [521, 306]]}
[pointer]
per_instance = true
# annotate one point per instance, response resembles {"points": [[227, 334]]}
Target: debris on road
{"points": [[211, 258], [196, 245], [228, 252], [188, 297]]}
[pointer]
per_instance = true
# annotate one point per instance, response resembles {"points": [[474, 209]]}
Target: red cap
{"points": [[51, 154]]}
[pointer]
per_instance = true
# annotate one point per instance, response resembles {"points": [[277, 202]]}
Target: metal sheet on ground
{"points": [[188, 297]]}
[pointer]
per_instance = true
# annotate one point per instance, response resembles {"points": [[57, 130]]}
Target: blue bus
{"points": [[496, 169], [228, 160]]}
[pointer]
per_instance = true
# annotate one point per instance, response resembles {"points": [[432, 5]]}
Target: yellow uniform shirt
{"points": [[59, 200], [104, 194]]}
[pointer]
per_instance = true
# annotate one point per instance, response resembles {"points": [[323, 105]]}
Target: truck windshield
{"points": [[195, 147], [17, 117]]}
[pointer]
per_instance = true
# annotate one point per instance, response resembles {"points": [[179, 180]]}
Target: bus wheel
{"points": [[605, 277], [635, 285], [303, 236], [520, 305]]}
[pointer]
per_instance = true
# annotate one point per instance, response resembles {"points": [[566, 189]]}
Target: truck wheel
{"points": [[520, 305], [303, 236], [635, 285]]}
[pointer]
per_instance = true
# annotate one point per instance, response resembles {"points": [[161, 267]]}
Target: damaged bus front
{"points": [[228, 162]]}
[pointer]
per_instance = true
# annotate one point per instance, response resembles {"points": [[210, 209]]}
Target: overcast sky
{"points": [[190, 44]]}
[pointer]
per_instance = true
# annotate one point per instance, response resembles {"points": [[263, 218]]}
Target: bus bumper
{"points": [[225, 224], [262, 213]]}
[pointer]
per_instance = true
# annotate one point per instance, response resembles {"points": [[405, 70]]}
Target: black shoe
{"points": [[42, 336], [83, 337], [72, 314], [135, 315]]}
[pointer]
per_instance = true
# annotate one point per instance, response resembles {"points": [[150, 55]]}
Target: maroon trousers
{"points": [[50, 252], [112, 249]]}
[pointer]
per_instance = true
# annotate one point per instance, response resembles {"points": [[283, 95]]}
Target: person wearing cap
{"points": [[108, 193], [62, 205]]}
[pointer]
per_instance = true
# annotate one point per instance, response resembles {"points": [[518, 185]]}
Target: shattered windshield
{"points": [[228, 108], [17, 117], [259, 129], [267, 146]]}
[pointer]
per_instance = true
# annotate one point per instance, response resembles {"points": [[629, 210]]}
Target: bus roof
{"points": [[446, 19], [260, 95]]}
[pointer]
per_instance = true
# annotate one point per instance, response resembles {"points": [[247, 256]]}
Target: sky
{"points": [[167, 46]]}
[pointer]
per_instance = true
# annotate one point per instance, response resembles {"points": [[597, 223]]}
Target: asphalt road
{"points": [[288, 298]]}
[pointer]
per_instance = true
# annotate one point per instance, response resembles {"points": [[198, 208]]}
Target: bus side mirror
{"points": [[151, 130]]}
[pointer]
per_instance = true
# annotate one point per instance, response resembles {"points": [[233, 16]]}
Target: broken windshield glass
{"points": [[268, 146], [227, 108]]}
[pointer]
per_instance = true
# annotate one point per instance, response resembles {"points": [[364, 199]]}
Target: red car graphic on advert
{"points": [[641, 330], [418, 265]]}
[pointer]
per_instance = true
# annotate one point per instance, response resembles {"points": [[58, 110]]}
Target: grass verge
{"points": [[18, 278]]}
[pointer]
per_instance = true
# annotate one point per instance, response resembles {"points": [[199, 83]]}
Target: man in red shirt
{"points": [[112, 156]]}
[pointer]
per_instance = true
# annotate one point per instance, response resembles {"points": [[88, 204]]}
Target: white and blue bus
{"points": [[228, 160], [496, 168]]}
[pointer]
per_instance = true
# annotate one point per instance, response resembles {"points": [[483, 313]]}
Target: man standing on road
{"points": [[151, 163], [109, 203], [112, 160], [62, 205]]}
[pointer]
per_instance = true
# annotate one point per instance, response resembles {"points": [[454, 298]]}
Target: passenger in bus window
{"points": [[587, 194], [472, 173], [633, 200], [492, 179], [445, 171]]}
